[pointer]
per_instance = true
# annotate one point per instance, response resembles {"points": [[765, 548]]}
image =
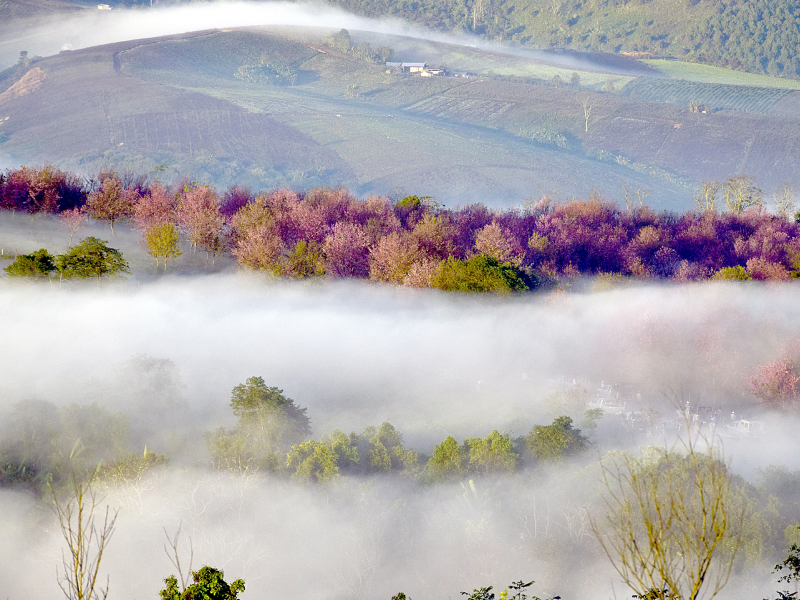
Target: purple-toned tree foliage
{"points": [[328, 231]]}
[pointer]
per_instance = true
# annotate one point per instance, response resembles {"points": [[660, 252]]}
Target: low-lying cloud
{"points": [[355, 354], [96, 27]]}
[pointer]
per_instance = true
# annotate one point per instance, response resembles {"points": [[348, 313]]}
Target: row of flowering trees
{"points": [[414, 242]]}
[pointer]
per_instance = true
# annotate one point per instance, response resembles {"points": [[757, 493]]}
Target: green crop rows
{"points": [[713, 96]]}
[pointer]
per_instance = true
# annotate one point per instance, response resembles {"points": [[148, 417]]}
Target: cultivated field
{"points": [[174, 106], [710, 74], [713, 96]]}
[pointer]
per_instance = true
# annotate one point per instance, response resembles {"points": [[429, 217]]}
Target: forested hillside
{"points": [[755, 35]]}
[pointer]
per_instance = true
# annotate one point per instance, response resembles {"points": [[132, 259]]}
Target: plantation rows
{"points": [[190, 131], [466, 110], [716, 96]]}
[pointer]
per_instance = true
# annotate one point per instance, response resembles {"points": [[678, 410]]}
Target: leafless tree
{"points": [[174, 556], [741, 193], [783, 199], [587, 105], [87, 528], [641, 194], [706, 198], [671, 529]]}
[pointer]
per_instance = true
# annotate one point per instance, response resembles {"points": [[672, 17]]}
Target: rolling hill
{"points": [[178, 105]]}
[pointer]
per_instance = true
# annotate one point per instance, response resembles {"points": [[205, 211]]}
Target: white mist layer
{"points": [[355, 354], [95, 27]]}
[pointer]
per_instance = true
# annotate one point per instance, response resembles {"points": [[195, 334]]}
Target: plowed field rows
{"points": [[715, 96], [208, 132], [461, 109]]}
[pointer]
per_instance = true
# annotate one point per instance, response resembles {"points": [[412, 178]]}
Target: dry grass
{"points": [[30, 82]]}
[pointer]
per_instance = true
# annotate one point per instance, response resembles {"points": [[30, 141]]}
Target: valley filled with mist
{"points": [[363, 300], [151, 366]]}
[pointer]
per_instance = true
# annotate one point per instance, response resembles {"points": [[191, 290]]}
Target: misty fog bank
{"points": [[95, 27], [354, 354], [91, 27], [355, 540], [431, 363]]}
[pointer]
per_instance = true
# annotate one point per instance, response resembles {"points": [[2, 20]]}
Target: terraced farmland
{"points": [[183, 111], [714, 96], [462, 109]]}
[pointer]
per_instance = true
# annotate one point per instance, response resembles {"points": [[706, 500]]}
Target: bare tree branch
{"points": [[87, 529], [174, 555]]}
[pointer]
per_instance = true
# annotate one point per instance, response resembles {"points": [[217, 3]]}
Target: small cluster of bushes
{"points": [[90, 258], [268, 74], [364, 51], [415, 242]]}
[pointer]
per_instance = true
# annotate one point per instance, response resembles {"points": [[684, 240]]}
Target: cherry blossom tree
{"points": [[497, 242], [346, 250], [199, 215], [435, 236], [73, 219], [776, 383], [392, 257], [111, 202], [47, 189], [259, 247], [423, 273], [158, 207]]}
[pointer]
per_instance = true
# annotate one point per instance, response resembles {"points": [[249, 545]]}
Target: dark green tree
{"points": [[269, 424], [493, 454], [313, 461], [38, 265], [792, 575], [209, 584], [480, 594], [381, 450], [91, 258], [256, 404]]}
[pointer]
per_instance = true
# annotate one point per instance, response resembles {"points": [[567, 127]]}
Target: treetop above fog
{"points": [[90, 258]]}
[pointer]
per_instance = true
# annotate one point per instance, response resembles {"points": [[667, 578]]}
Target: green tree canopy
{"points": [[161, 243], [383, 451], [480, 274], [37, 265], [313, 461], [269, 424], [492, 454], [209, 584], [555, 441], [254, 403], [447, 461], [91, 258]]}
